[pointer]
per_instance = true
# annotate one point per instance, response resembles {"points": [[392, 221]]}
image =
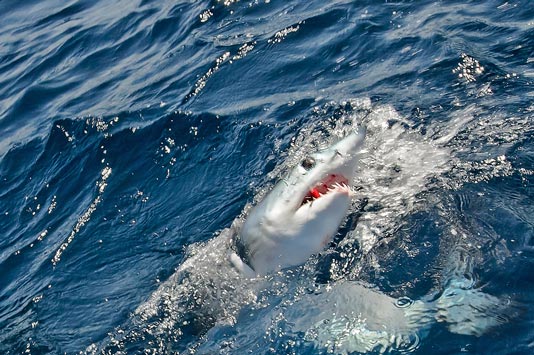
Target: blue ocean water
{"points": [[132, 133]]}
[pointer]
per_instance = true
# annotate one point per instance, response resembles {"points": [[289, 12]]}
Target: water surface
{"points": [[133, 132]]}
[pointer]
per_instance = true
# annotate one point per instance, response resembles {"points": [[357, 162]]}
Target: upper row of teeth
{"points": [[342, 186], [337, 185]]}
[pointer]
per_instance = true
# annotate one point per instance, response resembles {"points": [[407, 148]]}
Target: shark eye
{"points": [[308, 163]]}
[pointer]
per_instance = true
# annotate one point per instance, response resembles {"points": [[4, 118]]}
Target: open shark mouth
{"points": [[332, 182]]}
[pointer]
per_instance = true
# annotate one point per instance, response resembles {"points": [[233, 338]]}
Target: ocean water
{"points": [[133, 134]]}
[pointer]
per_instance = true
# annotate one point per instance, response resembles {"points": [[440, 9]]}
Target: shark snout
{"points": [[351, 144]]}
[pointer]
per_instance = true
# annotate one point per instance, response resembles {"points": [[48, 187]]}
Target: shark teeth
{"points": [[332, 183], [342, 187]]}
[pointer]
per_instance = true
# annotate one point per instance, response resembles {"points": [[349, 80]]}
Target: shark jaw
{"points": [[332, 183], [302, 213]]}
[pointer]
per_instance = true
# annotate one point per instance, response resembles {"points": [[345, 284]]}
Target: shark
{"points": [[296, 219], [302, 213], [299, 217]]}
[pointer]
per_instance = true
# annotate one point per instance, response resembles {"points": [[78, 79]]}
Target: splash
{"points": [[206, 303], [85, 217]]}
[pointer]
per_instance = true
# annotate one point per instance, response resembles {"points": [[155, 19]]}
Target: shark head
{"points": [[303, 212]]}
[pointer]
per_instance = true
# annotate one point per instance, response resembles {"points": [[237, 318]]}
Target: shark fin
{"points": [[470, 311], [240, 265]]}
